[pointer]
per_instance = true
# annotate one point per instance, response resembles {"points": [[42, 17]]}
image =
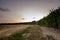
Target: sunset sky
{"points": [[12, 11]]}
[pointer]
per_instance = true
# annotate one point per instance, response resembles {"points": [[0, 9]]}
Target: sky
{"points": [[13, 11]]}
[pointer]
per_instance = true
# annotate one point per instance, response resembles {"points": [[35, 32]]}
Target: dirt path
{"points": [[11, 29], [51, 31], [43, 33], [35, 33]]}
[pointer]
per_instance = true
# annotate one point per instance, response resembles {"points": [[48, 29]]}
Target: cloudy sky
{"points": [[12, 11]]}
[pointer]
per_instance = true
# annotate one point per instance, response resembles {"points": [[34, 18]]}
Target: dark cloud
{"points": [[0, 0], [23, 18], [52, 0], [3, 9]]}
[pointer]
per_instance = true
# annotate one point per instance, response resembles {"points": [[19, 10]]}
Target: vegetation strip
{"points": [[52, 20], [17, 36]]}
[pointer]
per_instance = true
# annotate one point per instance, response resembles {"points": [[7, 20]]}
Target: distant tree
{"points": [[34, 22]]}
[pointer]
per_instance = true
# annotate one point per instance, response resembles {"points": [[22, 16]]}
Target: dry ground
{"points": [[9, 29], [35, 33]]}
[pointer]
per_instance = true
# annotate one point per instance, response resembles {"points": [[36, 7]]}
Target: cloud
{"points": [[3, 9], [0, 0], [52, 0]]}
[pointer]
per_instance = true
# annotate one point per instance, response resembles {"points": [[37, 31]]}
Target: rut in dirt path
{"points": [[37, 34], [51, 31]]}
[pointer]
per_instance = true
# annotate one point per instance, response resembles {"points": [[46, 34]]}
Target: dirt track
{"points": [[13, 28]]}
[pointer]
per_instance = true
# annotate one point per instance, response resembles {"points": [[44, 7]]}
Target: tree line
{"points": [[52, 20]]}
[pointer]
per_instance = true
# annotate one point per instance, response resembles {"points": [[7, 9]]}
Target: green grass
{"points": [[17, 35], [2, 26]]}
